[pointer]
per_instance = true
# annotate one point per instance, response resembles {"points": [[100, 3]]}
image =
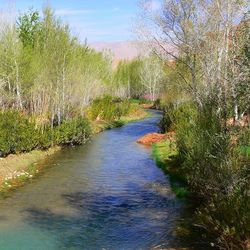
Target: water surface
{"points": [[107, 194]]}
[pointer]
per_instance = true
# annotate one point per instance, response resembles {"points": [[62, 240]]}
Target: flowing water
{"points": [[107, 194]]}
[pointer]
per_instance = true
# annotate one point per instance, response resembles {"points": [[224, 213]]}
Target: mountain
{"points": [[123, 50]]}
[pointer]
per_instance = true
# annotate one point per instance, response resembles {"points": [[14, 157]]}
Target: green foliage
{"points": [[158, 104], [166, 123], [17, 133], [215, 163], [108, 109], [47, 72], [73, 132], [181, 192], [46, 138], [216, 171], [175, 115], [28, 26], [127, 75]]}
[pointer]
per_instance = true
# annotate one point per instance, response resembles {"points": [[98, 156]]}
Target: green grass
{"points": [[135, 101], [245, 150], [166, 156], [140, 101], [164, 151], [181, 192]]}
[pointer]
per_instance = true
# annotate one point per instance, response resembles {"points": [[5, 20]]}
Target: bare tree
{"points": [[196, 34], [151, 75]]}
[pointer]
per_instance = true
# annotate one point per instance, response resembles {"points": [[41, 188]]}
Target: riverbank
{"points": [[136, 115], [17, 169], [165, 154]]}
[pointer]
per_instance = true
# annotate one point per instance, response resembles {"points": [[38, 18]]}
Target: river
{"points": [[106, 194]]}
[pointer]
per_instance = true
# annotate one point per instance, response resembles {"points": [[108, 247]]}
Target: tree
{"points": [[210, 50], [28, 27], [151, 75], [197, 34], [127, 79]]}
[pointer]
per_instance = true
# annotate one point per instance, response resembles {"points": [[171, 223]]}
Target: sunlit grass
{"points": [[166, 156]]}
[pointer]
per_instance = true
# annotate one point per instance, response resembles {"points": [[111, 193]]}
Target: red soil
{"points": [[152, 138]]}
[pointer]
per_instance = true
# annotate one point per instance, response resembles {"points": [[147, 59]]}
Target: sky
{"points": [[96, 20]]}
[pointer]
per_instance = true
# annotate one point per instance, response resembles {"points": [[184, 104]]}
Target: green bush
{"points": [[158, 104], [166, 122], [109, 109], [73, 132], [174, 115], [46, 138], [17, 133], [217, 173]]}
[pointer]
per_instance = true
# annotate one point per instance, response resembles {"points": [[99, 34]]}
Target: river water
{"points": [[106, 194]]}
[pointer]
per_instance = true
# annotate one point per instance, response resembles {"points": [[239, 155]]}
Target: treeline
{"points": [[140, 78], [207, 103], [48, 80], [45, 71]]}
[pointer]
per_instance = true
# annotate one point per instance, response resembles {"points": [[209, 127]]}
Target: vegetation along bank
{"points": [[55, 91], [23, 145]]}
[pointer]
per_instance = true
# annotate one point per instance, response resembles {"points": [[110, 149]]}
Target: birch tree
{"points": [[197, 34], [151, 75]]}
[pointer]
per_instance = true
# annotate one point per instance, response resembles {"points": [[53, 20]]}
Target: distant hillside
{"points": [[120, 50]]}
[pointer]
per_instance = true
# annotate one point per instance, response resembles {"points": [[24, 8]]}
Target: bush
{"points": [[217, 173], [158, 104], [174, 114], [140, 101], [166, 122], [17, 133], [109, 109], [73, 132], [46, 138]]}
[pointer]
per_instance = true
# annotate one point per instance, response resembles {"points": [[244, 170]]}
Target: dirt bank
{"points": [[151, 138]]}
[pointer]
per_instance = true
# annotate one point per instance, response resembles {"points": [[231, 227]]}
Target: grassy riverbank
{"points": [[136, 114], [214, 161], [17, 169], [165, 154]]}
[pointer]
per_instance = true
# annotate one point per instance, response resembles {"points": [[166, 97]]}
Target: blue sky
{"points": [[96, 20]]}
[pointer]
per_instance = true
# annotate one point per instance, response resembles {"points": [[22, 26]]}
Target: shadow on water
{"points": [[117, 222], [106, 222]]}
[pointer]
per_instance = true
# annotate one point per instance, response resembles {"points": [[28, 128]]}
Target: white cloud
{"points": [[71, 12]]}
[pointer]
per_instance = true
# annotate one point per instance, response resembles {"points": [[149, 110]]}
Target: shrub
{"points": [[174, 115], [46, 138], [17, 133], [73, 132], [109, 109], [158, 104], [166, 122], [217, 172]]}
